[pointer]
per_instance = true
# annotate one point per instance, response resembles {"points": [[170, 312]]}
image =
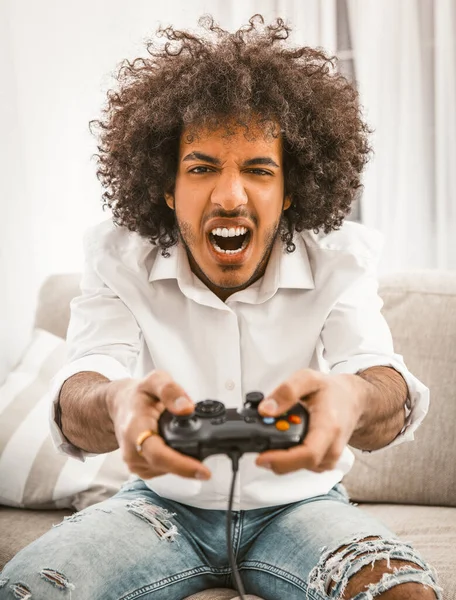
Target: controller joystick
{"points": [[252, 400], [214, 429], [184, 423]]}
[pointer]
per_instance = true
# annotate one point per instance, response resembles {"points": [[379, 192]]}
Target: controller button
{"points": [[282, 425], [295, 419], [269, 420], [249, 419]]}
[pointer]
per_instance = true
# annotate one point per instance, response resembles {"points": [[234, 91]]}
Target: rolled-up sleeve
{"points": [[103, 337], [356, 336]]}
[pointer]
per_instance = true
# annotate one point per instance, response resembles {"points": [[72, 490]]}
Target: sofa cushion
{"points": [[21, 527], [53, 308], [420, 309], [32, 473]]}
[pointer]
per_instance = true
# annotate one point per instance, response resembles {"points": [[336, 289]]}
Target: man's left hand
{"points": [[335, 406]]}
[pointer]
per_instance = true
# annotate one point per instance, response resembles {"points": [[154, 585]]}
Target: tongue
{"points": [[230, 243]]}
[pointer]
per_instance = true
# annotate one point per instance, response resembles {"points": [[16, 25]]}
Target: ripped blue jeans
{"points": [[140, 545]]}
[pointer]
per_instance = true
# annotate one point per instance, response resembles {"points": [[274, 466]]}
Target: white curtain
{"points": [[56, 59], [405, 64]]}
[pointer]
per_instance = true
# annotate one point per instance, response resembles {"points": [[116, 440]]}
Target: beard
{"points": [[189, 240]]}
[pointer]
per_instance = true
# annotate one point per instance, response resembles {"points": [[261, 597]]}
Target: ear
{"points": [[286, 203], [169, 199]]}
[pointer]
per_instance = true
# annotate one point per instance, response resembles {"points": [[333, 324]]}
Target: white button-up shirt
{"points": [[317, 307]]}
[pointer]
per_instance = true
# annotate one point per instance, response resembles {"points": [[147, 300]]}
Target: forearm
{"points": [[85, 417], [383, 393]]}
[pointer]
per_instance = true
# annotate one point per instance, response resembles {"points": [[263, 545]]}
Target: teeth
{"points": [[224, 232], [218, 249]]}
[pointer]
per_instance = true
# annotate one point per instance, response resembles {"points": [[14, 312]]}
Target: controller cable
{"points": [[234, 455]]}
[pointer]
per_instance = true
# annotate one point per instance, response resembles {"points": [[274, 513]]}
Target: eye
{"points": [[259, 172], [200, 170]]}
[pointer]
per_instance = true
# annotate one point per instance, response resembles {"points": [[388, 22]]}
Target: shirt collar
{"points": [[284, 270]]}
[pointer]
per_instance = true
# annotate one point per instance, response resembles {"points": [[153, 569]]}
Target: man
{"points": [[229, 165]]}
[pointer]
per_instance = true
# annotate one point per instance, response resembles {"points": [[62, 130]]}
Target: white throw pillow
{"points": [[32, 473]]}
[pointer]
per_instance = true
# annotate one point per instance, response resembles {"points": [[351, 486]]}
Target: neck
{"points": [[225, 292]]}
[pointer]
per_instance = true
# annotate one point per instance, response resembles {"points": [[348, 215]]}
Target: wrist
{"points": [[113, 394], [359, 391]]}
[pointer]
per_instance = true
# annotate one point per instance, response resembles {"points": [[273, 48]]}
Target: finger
{"points": [[153, 462], [135, 459], [293, 459], [161, 458], [322, 434], [144, 471], [286, 461], [327, 463], [161, 386], [285, 396], [148, 414], [331, 459]]}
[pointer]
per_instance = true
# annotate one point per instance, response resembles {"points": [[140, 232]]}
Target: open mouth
{"points": [[230, 242], [230, 246]]}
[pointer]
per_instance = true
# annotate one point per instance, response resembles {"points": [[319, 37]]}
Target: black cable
{"points": [[229, 518]]}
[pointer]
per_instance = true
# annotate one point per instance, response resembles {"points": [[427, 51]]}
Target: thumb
{"points": [[285, 396], [269, 407]]}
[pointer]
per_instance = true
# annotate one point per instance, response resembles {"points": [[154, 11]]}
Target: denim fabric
{"points": [[140, 545]]}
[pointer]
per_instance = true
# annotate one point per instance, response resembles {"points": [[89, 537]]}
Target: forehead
{"points": [[232, 139]]}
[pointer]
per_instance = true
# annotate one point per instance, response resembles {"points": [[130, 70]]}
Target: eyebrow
{"points": [[258, 160]]}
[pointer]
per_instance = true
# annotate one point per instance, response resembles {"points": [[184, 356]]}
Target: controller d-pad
{"points": [[209, 408]]}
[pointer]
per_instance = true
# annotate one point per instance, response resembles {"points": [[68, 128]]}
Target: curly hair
{"points": [[207, 81]]}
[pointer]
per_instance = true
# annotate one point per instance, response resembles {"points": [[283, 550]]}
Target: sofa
{"points": [[410, 487]]}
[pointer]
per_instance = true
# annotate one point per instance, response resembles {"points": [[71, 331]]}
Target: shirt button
{"points": [[229, 384]]}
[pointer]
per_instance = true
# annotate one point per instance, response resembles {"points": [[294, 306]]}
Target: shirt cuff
{"points": [[417, 403], [98, 363]]}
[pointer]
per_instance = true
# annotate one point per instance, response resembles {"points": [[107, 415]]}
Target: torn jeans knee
{"points": [[23, 592], [57, 579], [156, 516], [339, 566]]}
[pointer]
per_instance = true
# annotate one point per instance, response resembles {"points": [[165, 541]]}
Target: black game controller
{"points": [[213, 429]]}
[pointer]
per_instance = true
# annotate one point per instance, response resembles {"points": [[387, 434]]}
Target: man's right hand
{"points": [[135, 405]]}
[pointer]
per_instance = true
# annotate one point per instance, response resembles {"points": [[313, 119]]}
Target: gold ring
{"points": [[142, 437]]}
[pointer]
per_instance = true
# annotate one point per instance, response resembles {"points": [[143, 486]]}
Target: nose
{"points": [[229, 191]]}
